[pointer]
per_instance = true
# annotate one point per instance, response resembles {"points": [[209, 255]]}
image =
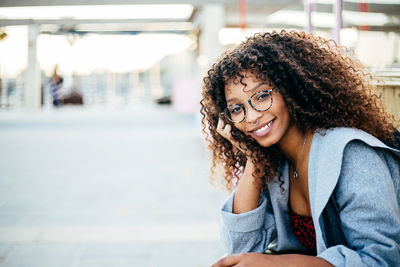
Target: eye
{"points": [[262, 96], [235, 109]]}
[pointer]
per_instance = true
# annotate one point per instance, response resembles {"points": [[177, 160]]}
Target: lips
{"points": [[260, 126], [262, 129]]}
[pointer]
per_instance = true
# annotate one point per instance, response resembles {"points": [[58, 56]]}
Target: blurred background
{"points": [[102, 161]]}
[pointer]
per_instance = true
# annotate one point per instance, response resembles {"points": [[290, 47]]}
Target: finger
{"points": [[227, 131], [220, 125], [227, 261], [222, 129]]}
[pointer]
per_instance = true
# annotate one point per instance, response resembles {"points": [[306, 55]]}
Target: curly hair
{"points": [[322, 87]]}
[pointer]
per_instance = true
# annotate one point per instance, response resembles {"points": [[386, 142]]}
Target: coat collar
{"points": [[324, 168], [325, 165]]}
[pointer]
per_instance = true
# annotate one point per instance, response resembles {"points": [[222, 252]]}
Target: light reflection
{"points": [[115, 53], [229, 36], [85, 54], [327, 20], [182, 11]]}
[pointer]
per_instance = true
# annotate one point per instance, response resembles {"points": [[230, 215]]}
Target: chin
{"points": [[266, 141]]}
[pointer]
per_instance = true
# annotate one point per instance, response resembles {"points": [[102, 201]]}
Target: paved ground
{"points": [[91, 187]]}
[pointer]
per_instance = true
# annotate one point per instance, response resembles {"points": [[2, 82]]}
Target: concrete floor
{"points": [[96, 187]]}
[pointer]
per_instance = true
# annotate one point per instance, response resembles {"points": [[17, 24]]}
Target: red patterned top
{"points": [[303, 228]]}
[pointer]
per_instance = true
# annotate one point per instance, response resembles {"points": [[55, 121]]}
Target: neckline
{"points": [[291, 212], [289, 181]]}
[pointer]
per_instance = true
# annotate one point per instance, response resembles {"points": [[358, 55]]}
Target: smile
{"points": [[263, 130]]}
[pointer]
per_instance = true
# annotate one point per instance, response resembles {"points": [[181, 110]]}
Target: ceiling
{"points": [[382, 15], [134, 25]]}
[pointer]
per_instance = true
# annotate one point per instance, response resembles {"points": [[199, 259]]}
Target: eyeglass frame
{"points": [[249, 101]]}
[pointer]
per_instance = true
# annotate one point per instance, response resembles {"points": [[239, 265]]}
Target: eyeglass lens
{"points": [[260, 101]]}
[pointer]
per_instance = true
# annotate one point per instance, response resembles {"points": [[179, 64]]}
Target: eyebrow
{"points": [[254, 88]]}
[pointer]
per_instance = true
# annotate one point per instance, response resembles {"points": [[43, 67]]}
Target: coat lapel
{"points": [[286, 240], [324, 169]]}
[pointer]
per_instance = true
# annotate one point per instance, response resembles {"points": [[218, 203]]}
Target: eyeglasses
{"points": [[260, 101]]}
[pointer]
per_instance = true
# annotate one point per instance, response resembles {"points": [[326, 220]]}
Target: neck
{"points": [[292, 144]]}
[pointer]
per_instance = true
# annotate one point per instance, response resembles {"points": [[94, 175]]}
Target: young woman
{"points": [[306, 146]]}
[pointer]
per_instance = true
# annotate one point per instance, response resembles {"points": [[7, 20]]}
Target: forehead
{"points": [[242, 87]]}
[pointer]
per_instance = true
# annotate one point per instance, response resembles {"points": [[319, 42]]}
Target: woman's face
{"points": [[266, 127]]}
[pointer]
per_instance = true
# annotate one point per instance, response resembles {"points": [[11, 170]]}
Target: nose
{"points": [[252, 115]]}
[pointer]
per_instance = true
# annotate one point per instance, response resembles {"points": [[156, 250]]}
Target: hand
{"points": [[246, 259], [264, 260], [226, 131]]}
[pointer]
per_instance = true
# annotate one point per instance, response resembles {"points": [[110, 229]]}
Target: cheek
{"points": [[282, 110], [286, 112], [285, 118]]}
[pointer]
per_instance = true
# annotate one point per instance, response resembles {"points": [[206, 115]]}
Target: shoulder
{"points": [[335, 140], [344, 156], [358, 151], [361, 158], [366, 200], [341, 147], [368, 170], [344, 134]]}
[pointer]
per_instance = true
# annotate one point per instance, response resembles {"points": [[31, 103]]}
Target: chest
{"points": [[299, 195]]}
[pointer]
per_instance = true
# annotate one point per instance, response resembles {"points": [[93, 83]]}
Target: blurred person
{"points": [[74, 97], [55, 84], [306, 148]]}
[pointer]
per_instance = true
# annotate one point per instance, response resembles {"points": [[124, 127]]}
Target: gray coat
{"points": [[354, 186]]}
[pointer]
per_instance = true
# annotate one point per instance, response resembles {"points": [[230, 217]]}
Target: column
{"points": [[309, 7], [212, 21], [337, 9], [33, 81]]}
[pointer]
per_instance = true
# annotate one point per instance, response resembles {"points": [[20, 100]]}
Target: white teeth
{"points": [[263, 128]]}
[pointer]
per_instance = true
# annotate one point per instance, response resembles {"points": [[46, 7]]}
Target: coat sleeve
{"points": [[367, 200], [252, 231]]}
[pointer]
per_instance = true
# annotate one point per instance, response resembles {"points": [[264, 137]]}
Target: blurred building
{"points": [[114, 53]]}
